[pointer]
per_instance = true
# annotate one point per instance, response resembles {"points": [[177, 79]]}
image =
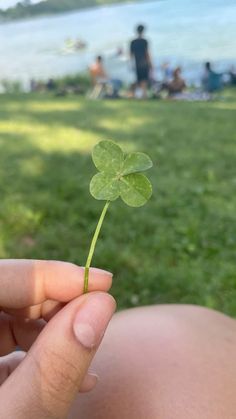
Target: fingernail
{"points": [[100, 272], [92, 319], [89, 382]]}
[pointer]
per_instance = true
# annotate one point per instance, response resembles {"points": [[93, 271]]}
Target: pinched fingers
{"points": [[31, 282], [16, 332], [45, 311]]}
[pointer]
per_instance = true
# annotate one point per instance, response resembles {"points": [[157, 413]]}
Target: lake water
{"points": [[185, 32]]}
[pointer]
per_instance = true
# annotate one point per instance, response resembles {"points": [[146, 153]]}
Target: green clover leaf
{"points": [[119, 175]]}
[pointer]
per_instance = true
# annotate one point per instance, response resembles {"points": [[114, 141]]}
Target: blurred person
{"points": [[206, 74], [211, 81], [51, 84], [99, 78], [177, 84], [97, 71], [33, 85], [139, 52], [173, 88], [103, 85], [166, 72], [232, 76]]}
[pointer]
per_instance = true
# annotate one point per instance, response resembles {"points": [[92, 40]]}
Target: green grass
{"points": [[179, 248]]}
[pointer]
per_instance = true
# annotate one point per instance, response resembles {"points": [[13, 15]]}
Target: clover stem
{"points": [[92, 246]]}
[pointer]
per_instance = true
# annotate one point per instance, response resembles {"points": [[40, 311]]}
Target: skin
{"points": [[43, 311], [155, 362], [97, 71], [164, 362]]}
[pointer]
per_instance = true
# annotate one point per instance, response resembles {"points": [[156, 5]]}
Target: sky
{"points": [[4, 4]]}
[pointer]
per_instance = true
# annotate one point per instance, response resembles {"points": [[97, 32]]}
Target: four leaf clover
{"points": [[119, 175]]}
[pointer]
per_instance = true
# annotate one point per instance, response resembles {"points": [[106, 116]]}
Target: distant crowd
{"points": [[172, 84]]}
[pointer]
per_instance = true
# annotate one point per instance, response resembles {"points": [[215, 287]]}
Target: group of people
{"points": [[173, 82], [141, 58]]}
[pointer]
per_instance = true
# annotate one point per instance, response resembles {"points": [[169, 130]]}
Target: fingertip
{"points": [[101, 272], [99, 279], [64, 281], [92, 319], [89, 382]]}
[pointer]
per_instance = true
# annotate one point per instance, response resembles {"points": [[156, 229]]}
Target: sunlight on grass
{"points": [[53, 106], [223, 105], [128, 124], [51, 138], [65, 140], [22, 127], [43, 107]]}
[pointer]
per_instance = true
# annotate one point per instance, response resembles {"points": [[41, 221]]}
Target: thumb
{"points": [[47, 381]]}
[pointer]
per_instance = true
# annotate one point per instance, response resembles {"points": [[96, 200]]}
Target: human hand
{"points": [[44, 382]]}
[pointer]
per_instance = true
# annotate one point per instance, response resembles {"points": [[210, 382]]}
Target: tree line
{"points": [[25, 8]]}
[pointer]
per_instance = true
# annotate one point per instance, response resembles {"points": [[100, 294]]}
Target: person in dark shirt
{"points": [[211, 81], [139, 52]]}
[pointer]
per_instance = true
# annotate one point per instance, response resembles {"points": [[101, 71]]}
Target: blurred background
{"points": [[68, 80]]}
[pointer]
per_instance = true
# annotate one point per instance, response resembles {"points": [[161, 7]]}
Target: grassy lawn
{"points": [[179, 248]]}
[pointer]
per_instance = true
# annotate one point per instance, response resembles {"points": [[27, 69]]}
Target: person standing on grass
{"points": [[139, 52]]}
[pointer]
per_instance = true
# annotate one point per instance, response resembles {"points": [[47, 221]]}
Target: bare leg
{"points": [[143, 86], [164, 362]]}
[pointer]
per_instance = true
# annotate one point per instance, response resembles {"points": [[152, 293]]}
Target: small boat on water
{"points": [[72, 46]]}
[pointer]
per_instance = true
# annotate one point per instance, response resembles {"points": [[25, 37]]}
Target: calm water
{"points": [[185, 32]]}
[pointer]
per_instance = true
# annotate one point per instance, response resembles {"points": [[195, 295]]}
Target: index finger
{"points": [[29, 282]]}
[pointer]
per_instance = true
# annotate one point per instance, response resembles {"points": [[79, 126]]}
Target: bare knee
{"points": [[164, 362]]}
